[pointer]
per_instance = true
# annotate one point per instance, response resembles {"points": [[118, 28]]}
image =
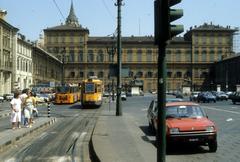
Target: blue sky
{"points": [[99, 16]]}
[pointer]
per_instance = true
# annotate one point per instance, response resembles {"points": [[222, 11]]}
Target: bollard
{"points": [[49, 112]]}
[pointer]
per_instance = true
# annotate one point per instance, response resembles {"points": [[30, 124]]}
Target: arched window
{"points": [[72, 74], [178, 74], [139, 74], [129, 55], [91, 73], [130, 74], [204, 56], [100, 57], [90, 57], [149, 55], [71, 55], [149, 74], [81, 74], [100, 74], [139, 55], [169, 74], [187, 74], [80, 56]]}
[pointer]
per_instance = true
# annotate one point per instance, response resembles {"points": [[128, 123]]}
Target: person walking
{"points": [[16, 103], [29, 104]]}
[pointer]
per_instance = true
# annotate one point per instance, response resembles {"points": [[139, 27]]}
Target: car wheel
{"points": [[212, 146], [214, 101]]}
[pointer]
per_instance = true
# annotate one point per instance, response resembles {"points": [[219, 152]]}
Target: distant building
{"points": [[189, 58], [226, 72]]}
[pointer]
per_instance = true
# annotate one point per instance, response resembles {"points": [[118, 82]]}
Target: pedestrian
{"points": [[23, 96], [29, 104], [16, 103], [35, 110]]}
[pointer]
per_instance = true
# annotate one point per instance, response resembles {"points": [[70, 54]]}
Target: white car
{"points": [[123, 96], [9, 97], [1, 99]]}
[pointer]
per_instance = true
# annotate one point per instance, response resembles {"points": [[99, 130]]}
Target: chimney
{"points": [[3, 13]]}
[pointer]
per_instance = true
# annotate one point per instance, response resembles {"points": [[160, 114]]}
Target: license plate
{"points": [[193, 139]]}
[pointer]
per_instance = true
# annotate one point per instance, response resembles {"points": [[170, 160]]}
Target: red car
{"points": [[186, 122]]}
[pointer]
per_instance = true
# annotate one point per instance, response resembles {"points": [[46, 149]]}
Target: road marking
{"points": [[229, 119], [144, 109], [43, 135], [212, 108]]}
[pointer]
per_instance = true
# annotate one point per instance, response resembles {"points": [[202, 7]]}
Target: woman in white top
{"points": [[29, 104], [16, 103]]}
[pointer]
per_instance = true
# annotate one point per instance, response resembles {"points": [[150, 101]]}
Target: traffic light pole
{"points": [[161, 97]]}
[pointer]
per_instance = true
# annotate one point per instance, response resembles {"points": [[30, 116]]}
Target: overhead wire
{"points": [[58, 9], [108, 10]]}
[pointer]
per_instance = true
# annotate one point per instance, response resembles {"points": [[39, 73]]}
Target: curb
{"points": [[7, 143], [84, 148]]}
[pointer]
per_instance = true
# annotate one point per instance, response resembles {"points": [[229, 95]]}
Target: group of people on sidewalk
{"points": [[22, 106]]}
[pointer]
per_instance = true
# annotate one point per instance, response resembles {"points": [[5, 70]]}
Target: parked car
{"points": [[123, 96], [193, 96], [1, 99], [41, 97], [235, 97], [220, 96], [9, 97], [206, 97], [186, 122]]}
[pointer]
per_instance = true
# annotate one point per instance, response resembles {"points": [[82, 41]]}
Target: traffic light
{"points": [[174, 14], [163, 17]]}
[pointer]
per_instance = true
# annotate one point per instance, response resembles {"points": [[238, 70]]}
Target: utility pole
{"points": [[119, 60]]}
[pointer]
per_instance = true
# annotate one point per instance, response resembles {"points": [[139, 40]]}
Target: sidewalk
{"points": [[120, 139], [10, 136]]}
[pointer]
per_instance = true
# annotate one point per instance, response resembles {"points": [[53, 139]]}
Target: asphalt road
{"points": [[58, 142], [225, 115]]}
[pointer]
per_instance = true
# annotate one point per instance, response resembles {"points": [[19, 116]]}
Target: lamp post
{"points": [[111, 51], [119, 60], [63, 52]]}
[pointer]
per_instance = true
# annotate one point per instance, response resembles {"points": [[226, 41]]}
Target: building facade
{"points": [[226, 74], [189, 58], [47, 69], [8, 41], [22, 67]]}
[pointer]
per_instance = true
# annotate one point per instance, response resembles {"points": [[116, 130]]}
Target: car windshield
{"points": [[189, 111]]}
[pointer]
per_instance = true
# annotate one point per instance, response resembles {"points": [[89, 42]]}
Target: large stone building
{"points": [[8, 41], [189, 58]]}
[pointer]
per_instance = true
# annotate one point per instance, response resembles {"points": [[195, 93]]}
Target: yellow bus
{"points": [[92, 89], [67, 94]]}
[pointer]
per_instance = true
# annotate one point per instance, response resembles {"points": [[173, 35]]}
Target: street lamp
{"points": [[63, 52], [111, 51]]}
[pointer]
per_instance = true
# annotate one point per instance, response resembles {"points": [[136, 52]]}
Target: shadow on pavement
{"points": [[185, 149]]}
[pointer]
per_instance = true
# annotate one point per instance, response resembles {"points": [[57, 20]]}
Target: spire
{"points": [[72, 18]]}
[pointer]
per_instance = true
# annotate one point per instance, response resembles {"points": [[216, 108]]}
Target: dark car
{"points": [[206, 97], [186, 122], [235, 97]]}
